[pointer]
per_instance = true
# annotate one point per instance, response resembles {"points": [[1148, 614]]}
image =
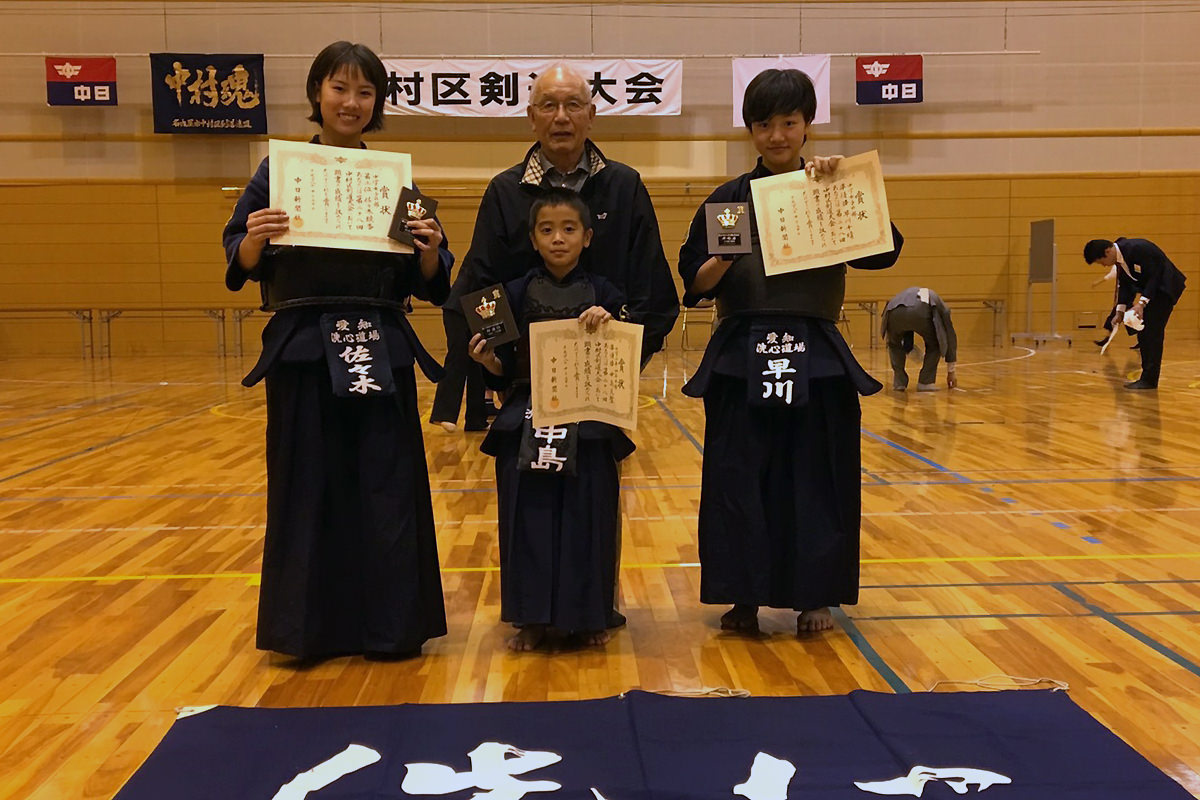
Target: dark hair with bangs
{"points": [[779, 91], [355, 57], [1094, 250], [560, 196]]}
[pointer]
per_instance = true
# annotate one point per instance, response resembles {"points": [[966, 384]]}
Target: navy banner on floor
{"points": [[1013, 745], [208, 93]]}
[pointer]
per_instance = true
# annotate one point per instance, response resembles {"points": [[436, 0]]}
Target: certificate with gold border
{"points": [[338, 196], [576, 376], [807, 223]]}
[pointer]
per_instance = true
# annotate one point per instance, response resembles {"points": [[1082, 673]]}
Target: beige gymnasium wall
{"points": [[1081, 111]]}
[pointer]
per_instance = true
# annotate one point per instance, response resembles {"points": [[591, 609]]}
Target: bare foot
{"points": [[528, 638], [819, 619], [740, 618], [595, 638]]}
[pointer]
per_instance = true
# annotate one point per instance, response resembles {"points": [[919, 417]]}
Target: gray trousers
{"points": [[903, 322]]}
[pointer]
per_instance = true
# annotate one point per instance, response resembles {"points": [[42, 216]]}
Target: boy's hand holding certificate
{"points": [[338, 196], [805, 223]]}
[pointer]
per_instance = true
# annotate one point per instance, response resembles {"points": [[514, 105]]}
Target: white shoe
{"points": [[927, 387], [448, 427]]}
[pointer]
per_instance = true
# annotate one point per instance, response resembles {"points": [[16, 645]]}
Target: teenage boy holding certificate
{"points": [[780, 500]]}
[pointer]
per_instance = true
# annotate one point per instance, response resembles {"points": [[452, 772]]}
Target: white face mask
{"points": [[1132, 321]]}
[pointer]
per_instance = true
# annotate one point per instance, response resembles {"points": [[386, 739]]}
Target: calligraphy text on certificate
{"points": [[338, 196], [576, 376], [807, 223]]}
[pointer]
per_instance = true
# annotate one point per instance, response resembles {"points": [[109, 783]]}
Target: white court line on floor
{"points": [[1028, 353], [1001, 512], [983, 475]]}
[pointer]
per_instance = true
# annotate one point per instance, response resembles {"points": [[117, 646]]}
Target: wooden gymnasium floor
{"points": [[1041, 522]]}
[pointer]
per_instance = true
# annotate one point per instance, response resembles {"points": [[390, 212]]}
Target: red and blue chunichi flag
{"points": [[884, 80], [72, 81]]}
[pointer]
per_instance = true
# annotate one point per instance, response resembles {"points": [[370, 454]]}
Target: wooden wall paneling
{"points": [[145, 245]]}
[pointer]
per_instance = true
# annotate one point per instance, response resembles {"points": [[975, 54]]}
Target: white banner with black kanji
{"points": [[499, 87]]}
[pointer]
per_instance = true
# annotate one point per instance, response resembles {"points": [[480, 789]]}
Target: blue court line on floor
{"points": [[80, 418], [687, 434], [878, 480], [870, 653], [66, 409], [108, 442], [1148, 641], [1024, 615], [1146, 479], [1090, 539], [917, 456], [958, 477], [1009, 584], [860, 641], [1039, 481]]}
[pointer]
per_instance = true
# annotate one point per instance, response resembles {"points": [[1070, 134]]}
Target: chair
{"points": [[843, 322], [704, 307]]}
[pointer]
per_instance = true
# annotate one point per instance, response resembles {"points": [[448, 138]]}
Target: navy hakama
{"points": [[559, 533], [350, 555], [780, 502]]}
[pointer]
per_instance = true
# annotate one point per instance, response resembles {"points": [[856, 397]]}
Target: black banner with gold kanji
{"points": [[208, 93]]}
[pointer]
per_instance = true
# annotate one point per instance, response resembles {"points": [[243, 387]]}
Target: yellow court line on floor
{"points": [[254, 576], [993, 559], [126, 578]]}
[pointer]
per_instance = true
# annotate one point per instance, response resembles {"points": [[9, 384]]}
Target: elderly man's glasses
{"points": [[551, 107]]}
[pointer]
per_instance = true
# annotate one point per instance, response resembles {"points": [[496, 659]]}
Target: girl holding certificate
{"points": [[780, 499], [350, 561]]}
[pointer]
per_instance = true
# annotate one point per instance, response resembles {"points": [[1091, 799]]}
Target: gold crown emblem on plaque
{"points": [[416, 210], [728, 218], [486, 308]]}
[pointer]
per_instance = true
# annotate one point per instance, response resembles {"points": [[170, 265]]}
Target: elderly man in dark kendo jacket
{"points": [[919, 311], [1145, 273], [626, 246], [350, 561]]}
